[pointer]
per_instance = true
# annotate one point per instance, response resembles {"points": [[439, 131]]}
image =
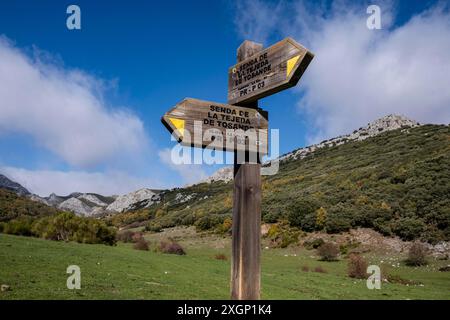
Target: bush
{"points": [[357, 267], [171, 247], [209, 222], [270, 218], [141, 244], [68, 227], [302, 213], [125, 236], [220, 256], [21, 226], [226, 226], [2, 226], [409, 228], [328, 251], [395, 278], [314, 244], [153, 227], [288, 237], [319, 269], [417, 255], [338, 220], [137, 236]]}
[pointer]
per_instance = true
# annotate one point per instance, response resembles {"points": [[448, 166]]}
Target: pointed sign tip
{"points": [[178, 124], [291, 64]]}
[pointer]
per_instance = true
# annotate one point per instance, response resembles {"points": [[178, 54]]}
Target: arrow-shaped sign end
{"points": [[291, 64]]}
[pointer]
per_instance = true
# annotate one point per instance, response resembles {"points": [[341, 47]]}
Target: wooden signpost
{"points": [[198, 123], [267, 72], [206, 124]]}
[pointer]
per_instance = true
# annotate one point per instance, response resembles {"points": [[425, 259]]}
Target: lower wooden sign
{"points": [[219, 126]]}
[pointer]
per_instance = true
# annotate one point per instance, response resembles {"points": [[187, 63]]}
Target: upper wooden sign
{"points": [[205, 124], [269, 71]]}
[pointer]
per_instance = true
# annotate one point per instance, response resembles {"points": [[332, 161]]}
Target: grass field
{"points": [[36, 269]]}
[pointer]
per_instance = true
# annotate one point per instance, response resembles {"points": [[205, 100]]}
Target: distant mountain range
{"points": [[87, 204]]}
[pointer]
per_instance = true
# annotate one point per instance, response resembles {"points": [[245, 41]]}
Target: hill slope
{"points": [[396, 182], [14, 206]]}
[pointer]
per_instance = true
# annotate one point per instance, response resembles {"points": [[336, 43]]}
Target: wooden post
{"points": [[246, 229]]}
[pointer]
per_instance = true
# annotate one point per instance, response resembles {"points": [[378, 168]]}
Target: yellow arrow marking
{"points": [[290, 65], [178, 124]]}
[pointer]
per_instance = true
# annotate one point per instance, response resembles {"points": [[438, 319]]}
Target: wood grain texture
{"points": [[246, 228], [212, 125], [265, 72]]}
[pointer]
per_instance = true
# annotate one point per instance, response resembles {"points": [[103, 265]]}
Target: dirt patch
{"points": [[368, 239]]}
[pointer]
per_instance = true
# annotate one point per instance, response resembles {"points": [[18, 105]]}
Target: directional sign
{"points": [[205, 124], [269, 71]]}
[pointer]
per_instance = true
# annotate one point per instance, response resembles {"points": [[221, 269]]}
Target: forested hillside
{"points": [[397, 183]]}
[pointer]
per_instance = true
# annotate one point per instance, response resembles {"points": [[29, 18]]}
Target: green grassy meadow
{"points": [[36, 269]]}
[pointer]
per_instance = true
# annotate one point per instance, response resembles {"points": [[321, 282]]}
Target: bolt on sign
{"points": [[205, 124], [267, 72]]}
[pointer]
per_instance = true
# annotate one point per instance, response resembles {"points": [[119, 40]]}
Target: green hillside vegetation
{"points": [[21, 216], [13, 206], [397, 183]]}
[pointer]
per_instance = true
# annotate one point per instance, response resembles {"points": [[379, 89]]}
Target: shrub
{"points": [[445, 268], [357, 267], [153, 227], [141, 244], [288, 237], [220, 256], [137, 236], [273, 232], [302, 213], [2, 226], [319, 269], [321, 216], [394, 278], [270, 218], [345, 248], [208, 222], [328, 251], [21, 226], [171, 247], [417, 255], [314, 244], [125, 236], [225, 227], [68, 227], [409, 228], [338, 220]]}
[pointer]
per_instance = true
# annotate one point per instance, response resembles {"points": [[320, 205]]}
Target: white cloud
{"points": [[191, 173], [358, 74], [63, 110], [45, 182]]}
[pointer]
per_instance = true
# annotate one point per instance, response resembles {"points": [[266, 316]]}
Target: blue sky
{"points": [[133, 60]]}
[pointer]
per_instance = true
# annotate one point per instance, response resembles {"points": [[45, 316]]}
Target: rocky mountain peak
{"points": [[141, 198], [384, 124], [6, 183]]}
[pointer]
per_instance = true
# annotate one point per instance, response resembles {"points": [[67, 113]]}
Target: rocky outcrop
{"points": [[75, 205], [387, 123], [8, 184], [143, 197], [223, 174]]}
